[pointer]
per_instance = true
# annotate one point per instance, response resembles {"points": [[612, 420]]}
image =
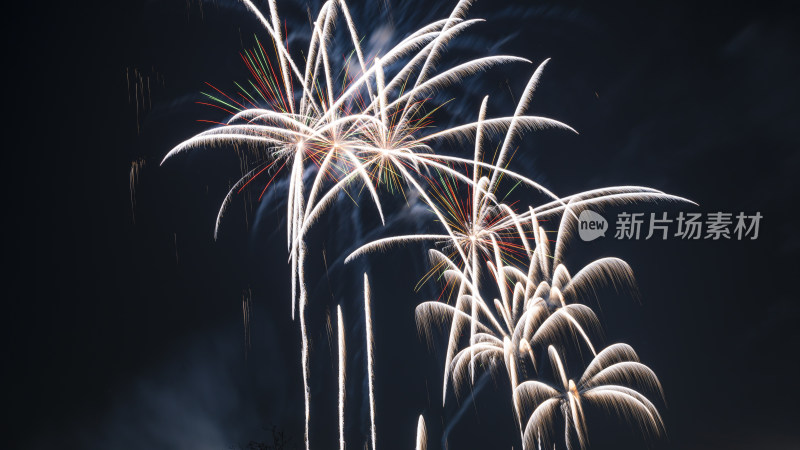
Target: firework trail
{"points": [[422, 434], [247, 313], [370, 360], [133, 180], [532, 313], [342, 373]]}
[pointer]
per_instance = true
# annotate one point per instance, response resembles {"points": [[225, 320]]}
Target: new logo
{"points": [[591, 225]]}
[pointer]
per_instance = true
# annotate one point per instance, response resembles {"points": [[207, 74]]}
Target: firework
{"points": [[533, 312], [603, 383], [539, 298], [376, 131]]}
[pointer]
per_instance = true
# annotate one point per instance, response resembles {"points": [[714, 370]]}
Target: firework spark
{"points": [[133, 180]]}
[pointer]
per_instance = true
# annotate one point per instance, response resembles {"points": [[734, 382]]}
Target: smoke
{"points": [[203, 396], [466, 404]]}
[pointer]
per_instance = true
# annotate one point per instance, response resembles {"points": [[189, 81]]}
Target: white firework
{"points": [[374, 131], [605, 383]]}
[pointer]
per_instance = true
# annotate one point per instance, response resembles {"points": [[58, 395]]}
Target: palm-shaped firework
{"points": [[604, 383]]}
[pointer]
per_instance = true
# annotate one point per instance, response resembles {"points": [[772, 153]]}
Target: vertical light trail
{"points": [[342, 369], [304, 334], [422, 434], [370, 359]]}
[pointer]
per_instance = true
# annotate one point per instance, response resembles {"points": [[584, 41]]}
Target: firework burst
{"points": [[328, 128], [604, 383]]}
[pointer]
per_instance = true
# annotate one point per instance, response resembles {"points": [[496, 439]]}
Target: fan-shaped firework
{"points": [[602, 384]]}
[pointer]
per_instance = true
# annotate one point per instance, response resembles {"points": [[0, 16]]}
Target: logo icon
{"points": [[591, 225]]}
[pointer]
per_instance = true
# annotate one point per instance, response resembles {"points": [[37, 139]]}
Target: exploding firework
{"points": [[603, 384], [329, 128]]}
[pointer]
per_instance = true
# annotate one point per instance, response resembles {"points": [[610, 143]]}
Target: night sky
{"points": [[123, 317]]}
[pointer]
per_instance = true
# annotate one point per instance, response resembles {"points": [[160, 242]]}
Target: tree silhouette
{"points": [[280, 441]]}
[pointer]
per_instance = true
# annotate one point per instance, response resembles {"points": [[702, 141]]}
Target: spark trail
{"points": [[342, 373], [370, 360]]}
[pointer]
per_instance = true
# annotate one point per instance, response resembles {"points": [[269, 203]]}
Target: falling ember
{"points": [[247, 311], [140, 90], [133, 181], [175, 243]]}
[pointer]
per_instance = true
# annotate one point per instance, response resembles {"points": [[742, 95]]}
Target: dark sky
{"points": [[123, 323]]}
